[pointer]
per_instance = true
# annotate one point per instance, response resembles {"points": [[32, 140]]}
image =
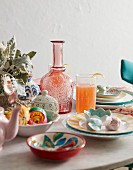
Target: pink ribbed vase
{"points": [[57, 82]]}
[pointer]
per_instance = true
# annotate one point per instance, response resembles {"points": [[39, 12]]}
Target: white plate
{"points": [[126, 99], [111, 93], [111, 107], [77, 122], [121, 96], [106, 137]]}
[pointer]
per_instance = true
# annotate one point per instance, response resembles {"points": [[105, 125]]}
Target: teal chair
{"points": [[127, 75], [127, 71], [129, 166]]}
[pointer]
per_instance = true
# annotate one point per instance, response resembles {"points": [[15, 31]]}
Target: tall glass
{"points": [[85, 92]]}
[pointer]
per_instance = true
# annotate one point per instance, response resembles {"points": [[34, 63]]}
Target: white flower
{"points": [[2, 47]]}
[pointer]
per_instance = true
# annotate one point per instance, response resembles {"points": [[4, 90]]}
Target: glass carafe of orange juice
{"points": [[85, 92]]}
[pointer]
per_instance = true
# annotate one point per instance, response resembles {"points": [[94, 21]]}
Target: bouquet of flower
{"points": [[14, 68]]}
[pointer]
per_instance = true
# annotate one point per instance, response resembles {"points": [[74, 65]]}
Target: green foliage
{"points": [[14, 63], [31, 54]]}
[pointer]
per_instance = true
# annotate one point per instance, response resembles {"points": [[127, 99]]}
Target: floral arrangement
{"points": [[14, 68]]}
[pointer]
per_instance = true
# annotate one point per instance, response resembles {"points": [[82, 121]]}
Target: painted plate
{"points": [[111, 93], [101, 136], [112, 107], [120, 98], [126, 99], [78, 122]]}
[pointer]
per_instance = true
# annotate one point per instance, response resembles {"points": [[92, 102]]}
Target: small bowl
{"points": [[56, 145], [29, 130], [100, 112]]}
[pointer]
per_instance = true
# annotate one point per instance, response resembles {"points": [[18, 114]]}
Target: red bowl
{"points": [[56, 145]]}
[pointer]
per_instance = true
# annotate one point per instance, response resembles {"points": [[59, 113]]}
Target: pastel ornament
{"points": [[114, 124], [94, 124], [37, 116]]}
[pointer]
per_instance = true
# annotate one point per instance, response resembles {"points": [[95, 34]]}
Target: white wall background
{"points": [[97, 33]]}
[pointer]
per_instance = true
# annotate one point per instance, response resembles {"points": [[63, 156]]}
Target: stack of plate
{"points": [[114, 99], [78, 124]]}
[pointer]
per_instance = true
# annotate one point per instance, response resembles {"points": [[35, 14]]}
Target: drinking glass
{"points": [[85, 92]]}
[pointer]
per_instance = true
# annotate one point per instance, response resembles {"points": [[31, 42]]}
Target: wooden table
{"points": [[98, 154]]}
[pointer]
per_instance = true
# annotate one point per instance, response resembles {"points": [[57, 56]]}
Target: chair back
{"points": [[127, 71]]}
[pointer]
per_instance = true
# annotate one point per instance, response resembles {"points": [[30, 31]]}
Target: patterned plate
{"points": [[120, 98], [127, 99], [111, 93], [112, 107], [78, 122], [104, 136]]}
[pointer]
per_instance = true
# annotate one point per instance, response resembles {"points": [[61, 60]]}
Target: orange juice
{"points": [[85, 97]]}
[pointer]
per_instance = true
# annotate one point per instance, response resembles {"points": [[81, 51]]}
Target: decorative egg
{"points": [[46, 102], [37, 116], [114, 124]]}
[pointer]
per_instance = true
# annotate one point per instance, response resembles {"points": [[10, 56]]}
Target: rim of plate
{"points": [[129, 129]]}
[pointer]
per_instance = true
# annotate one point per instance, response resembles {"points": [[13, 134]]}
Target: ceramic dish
{"points": [[121, 96], [28, 130], [79, 123], [116, 103], [112, 107], [105, 137], [111, 93], [125, 100], [107, 99], [56, 145]]}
